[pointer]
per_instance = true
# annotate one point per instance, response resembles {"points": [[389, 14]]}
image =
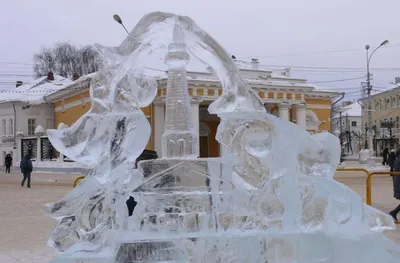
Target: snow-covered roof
{"points": [[352, 110], [34, 92], [256, 77], [383, 91]]}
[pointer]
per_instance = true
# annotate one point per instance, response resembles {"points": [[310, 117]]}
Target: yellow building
{"points": [[286, 97]]}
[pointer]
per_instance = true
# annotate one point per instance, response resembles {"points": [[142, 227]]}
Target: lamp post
{"points": [[119, 21], [370, 132]]}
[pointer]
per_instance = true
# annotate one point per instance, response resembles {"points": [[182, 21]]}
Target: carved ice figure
{"points": [[106, 137], [271, 199]]}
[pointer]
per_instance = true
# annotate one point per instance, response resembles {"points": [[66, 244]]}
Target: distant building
{"points": [[347, 122], [385, 116], [23, 111], [289, 98]]}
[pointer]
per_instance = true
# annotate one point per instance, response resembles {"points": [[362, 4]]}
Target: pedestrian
{"points": [[8, 162], [26, 169], [396, 184], [392, 157], [385, 156]]}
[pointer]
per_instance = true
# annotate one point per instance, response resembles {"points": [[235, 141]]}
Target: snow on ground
{"points": [[24, 229]]}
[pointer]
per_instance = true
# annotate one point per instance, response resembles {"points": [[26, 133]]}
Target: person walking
{"points": [[26, 169], [385, 156], [396, 185], [392, 157], [8, 162]]}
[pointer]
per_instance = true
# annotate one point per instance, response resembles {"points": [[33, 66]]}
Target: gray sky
{"points": [[288, 33]]}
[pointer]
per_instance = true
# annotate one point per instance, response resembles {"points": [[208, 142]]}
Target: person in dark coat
{"points": [[392, 157], [385, 156], [396, 185], [8, 162], [26, 169]]}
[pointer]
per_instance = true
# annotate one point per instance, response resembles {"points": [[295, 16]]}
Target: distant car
{"points": [[146, 155]]}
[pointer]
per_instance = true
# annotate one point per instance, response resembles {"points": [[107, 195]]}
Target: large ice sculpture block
{"points": [[272, 198]]}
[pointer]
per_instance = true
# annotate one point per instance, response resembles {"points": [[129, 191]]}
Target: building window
{"points": [[3, 127], [10, 126], [31, 126], [353, 124]]}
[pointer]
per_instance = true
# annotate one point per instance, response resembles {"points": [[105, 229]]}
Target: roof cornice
{"points": [[69, 90]]}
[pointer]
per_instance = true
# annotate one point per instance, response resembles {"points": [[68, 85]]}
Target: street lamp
{"points": [[370, 132], [119, 21]]}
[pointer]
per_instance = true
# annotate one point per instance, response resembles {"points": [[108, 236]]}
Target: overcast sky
{"points": [[297, 33]]}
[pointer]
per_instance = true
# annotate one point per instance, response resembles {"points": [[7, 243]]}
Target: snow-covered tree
{"points": [[65, 59]]}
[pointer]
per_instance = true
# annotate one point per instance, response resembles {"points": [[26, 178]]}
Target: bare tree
{"points": [[65, 60]]}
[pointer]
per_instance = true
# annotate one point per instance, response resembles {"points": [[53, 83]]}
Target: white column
{"points": [[284, 111], [159, 123], [301, 115], [14, 156], [195, 104], [60, 157], [17, 157], [39, 151], [222, 150], [195, 112]]}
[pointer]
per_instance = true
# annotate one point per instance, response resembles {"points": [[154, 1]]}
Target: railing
{"points": [[368, 184], [353, 170], [78, 180]]}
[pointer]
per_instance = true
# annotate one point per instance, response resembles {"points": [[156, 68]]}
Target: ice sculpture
{"points": [[272, 198]]}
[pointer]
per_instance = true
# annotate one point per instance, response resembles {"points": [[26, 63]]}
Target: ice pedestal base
{"points": [[240, 247], [105, 256]]}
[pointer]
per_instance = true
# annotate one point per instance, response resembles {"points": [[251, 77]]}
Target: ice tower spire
{"points": [[179, 138]]}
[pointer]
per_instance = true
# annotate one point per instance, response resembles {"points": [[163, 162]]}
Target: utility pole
{"points": [[341, 129], [369, 106], [369, 88]]}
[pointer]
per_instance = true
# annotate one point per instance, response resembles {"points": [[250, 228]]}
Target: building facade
{"points": [[22, 111], [385, 114], [288, 98]]}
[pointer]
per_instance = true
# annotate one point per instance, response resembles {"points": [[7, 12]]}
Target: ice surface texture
{"points": [[272, 198]]}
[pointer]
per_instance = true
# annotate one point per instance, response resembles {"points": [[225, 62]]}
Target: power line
{"points": [[325, 68], [15, 63], [336, 80], [316, 53], [16, 75]]}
